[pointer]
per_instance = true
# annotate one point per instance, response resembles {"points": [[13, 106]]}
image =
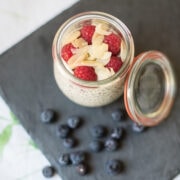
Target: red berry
{"points": [[87, 32], [86, 73], [66, 51], [115, 63], [114, 43]]}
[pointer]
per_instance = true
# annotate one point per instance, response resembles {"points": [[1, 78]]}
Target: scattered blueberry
{"points": [[117, 115], [73, 122], [48, 171], [47, 116], [111, 144], [81, 169], [77, 157], [114, 167], [96, 146], [63, 131], [117, 133], [64, 159], [98, 131], [138, 128], [69, 142]]}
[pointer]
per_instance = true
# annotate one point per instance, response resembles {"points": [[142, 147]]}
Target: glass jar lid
{"points": [[150, 88]]}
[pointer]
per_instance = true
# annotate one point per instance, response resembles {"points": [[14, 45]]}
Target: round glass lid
{"points": [[150, 88]]}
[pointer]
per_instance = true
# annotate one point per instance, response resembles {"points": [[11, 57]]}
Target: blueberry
{"points": [[117, 115], [73, 122], [62, 131], [69, 142], [98, 131], [137, 128], [64, 159], [111, 144], [77, 157], [81, 169], [96, 146], [47, 116], [117, 133], [113, 167], [48, 171]]}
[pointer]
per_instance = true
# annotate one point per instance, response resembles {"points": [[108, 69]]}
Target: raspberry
{"points": [[86, 73], [87, 32], [66, 51], [115, 63], [114, 43]]}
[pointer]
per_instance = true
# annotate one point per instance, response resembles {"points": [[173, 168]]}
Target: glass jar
{"points": [[92, 93]]}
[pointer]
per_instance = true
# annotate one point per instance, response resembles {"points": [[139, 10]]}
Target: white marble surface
{"points": [[19, 158], [18, 18]]}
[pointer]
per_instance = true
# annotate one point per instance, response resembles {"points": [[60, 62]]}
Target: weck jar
{"points": [[92, 93]]}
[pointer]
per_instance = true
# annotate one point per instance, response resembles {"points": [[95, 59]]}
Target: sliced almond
{"points": [[79, 43], [97, 51], [97, 39], [103, 72], [90, 63], [102, 29], [70, 37], [75, 59], [105, 58]]}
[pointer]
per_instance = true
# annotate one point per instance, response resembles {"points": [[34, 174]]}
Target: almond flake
{"points": [[105, 58], [90, 63], [69, 38], [97, 51], [75, 59], [103, 72], [79, 43], [102, 29], [97, 39]]}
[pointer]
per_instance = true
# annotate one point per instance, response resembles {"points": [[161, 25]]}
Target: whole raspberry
{"points": [[66, 51], [114, 43], [87, 32], [86, 73], [115, 63]]}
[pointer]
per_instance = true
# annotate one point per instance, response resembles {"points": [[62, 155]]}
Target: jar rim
{"points": [[122, 28]]}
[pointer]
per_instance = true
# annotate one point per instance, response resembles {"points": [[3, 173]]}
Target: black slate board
{"points": [[28, 86]]}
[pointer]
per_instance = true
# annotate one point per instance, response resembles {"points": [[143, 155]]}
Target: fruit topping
{"points": [[117, 115], [85, 73], [96, 46], [87, 32], [115, 63], [114, 43], [67, 51]]}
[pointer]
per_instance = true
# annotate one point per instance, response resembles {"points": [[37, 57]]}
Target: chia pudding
{"points": [[92, 53]]}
